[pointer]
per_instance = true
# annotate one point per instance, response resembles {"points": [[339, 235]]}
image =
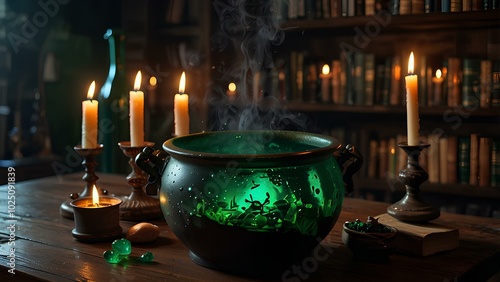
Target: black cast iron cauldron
{"points": [[250, 202]]}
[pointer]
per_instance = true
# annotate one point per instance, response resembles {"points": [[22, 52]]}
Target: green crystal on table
{"points": [[146, 257], [122, 246], [112, 257]]}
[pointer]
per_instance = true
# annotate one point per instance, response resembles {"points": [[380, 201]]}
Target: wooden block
{"points": [[422, 239]]}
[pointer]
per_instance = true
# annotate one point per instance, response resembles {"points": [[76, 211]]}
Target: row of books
{"points": [[366, 79], [324, 9], [472, 160]]}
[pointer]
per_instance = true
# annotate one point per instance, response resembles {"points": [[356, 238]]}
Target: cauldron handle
{"points": [[351, 154], [153, 162]]}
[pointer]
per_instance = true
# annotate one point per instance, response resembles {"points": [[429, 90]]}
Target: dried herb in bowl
{"points": [[371, 225]]}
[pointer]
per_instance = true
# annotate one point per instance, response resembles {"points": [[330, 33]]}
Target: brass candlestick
{"points": [[411, 208], [89, 162], [138, 206]]}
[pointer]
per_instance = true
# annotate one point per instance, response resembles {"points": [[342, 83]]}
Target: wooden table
{"points": [[46, 250]]}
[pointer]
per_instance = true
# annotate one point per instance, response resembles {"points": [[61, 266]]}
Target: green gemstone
{"points": [[112, 257], [122, 246], [146, 257]]}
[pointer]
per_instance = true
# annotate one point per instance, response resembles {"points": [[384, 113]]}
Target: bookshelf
{"points": [[441, 39], [434, 37]]}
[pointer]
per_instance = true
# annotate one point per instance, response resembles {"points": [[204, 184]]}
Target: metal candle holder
{"points": [[138, 206], [96, 224], [89, 162], [411, 208]]}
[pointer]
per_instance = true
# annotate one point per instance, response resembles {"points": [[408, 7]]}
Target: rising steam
{"points": [[249, 28]]}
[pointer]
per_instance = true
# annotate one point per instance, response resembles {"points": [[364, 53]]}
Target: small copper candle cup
{"points": [[96, 224]]}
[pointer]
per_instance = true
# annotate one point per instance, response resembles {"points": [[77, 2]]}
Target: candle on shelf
{"points": [[231, 92], [89, 119], [181, 109], [438, 81], [412, 103], [137, 113], [325, 83]]}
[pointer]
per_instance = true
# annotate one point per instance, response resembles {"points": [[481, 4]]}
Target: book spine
{"points": [[327, 10], [429, 6], [372, 161], [386, 88], [370, 7], [477, 5], [495, 77], [392, 152], [474, 159], [484, 155], [344, 8], [393, 7], [417, 6], [466, 5], [453, 82], [310, 9], [395, 81], [379, 84], [359, 78], [495, 164], [404, 7], [359, 9], [452, 156], [456, 6], [463, 160], [336, 85], [422, 80], [335, 8], [445, 6], [443, 161], [369, 74], [382, 158], [433, 157], [470, 82], [486, 81], [351, 8]]}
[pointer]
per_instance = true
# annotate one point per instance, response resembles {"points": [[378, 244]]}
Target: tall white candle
{"points": [[231, 92], [325, 83], [412, 103], [89, 119], [137, 113], [181, 109]]}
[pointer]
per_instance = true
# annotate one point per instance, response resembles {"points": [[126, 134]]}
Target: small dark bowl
{"points": [[370, 246]]}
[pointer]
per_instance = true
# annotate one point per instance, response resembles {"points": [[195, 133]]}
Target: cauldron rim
{"points": [[325, 147]]}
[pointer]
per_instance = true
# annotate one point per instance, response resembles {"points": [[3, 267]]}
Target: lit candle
{"points": [[412, 103], [231, 91], [438, 80], [181, 109], [137, 113], [325, 83], [89, 119], [95, 197]]}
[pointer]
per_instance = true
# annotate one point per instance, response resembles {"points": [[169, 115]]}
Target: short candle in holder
{"points": [[97, 218]]}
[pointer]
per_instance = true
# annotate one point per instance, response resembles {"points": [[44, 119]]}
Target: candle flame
{"points": [[231, 86], [91, 91], [95, 196], [393, 151], [153, 81], [438, 73], [137, 83], [182, 83], [411, 64], [326, 69]]}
